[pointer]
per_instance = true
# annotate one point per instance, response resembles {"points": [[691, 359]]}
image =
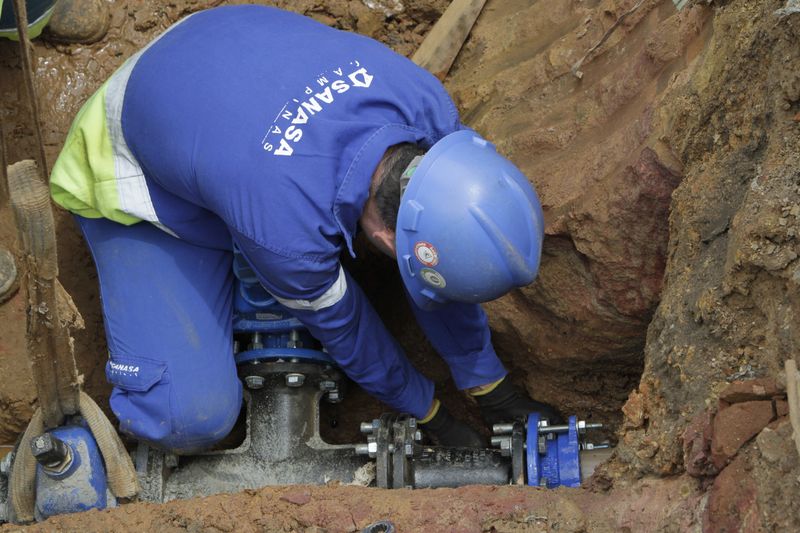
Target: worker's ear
{"points": [[384, 239]]}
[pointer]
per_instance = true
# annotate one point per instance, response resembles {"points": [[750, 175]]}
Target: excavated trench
{"points": [[668, 171]]}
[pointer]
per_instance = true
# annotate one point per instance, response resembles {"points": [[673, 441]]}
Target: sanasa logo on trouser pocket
{"points": [[123, 369]]}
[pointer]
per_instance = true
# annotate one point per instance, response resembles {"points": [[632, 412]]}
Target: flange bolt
{"points": [[295, 380], [254, 382], [50, 452]]}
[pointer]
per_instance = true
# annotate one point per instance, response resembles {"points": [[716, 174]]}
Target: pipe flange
{"points": [[518, 454]]}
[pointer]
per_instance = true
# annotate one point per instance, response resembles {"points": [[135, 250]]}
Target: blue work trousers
{"points": [[167, 306]]}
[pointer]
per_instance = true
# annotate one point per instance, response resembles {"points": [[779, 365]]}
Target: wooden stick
{"points": [[792, 386], [443, 43], [21, 13]]}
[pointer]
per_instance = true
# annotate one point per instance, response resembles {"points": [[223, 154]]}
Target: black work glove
{"points": [[445, 430], [506, 403]]}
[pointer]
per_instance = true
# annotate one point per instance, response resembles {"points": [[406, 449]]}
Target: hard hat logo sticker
{"points": [[426, 253], [433, 278]]}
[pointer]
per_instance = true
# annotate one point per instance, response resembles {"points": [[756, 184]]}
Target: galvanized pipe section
{"points": [[455, 467], [590, 459]]}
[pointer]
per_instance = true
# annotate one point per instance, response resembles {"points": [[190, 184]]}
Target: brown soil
{"points": [[669, 176], [338, 509]]}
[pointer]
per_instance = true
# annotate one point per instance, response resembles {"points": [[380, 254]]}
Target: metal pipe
{"points": [[454, 467], [590, 459]]}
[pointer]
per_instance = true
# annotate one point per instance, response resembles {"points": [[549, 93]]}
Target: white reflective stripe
{"points": [[331, 297], [134, 196]]}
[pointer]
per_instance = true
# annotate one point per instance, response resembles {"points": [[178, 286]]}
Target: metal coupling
{"points": [[295, 379], [254, 382]]}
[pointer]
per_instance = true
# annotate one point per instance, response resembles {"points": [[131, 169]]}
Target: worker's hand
{"points": [[445, 430], [507, 403]]}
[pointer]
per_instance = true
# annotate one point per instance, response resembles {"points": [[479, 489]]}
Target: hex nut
{"points": [[254, 382], [362, 449], [334, 396], [295, 380], [327, 385]]}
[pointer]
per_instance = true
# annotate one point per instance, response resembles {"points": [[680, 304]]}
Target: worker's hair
{"points": [[387, 194]]}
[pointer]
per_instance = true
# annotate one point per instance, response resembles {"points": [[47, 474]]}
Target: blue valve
{"points": [[280, 336], [557, 461], [70, 475]]}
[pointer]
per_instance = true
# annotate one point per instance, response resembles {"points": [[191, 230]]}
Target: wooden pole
{"points": [[21, 13], [792, 386], [443, 43]]}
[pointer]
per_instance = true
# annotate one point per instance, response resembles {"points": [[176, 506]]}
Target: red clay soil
{"points": [[338, 509]]}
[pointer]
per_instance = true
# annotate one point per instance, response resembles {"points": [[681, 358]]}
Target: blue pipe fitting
{"points": [[79, 483], [553, 459], [282, 336]]}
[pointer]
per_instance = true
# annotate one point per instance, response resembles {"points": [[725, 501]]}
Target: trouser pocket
{"points": [[141, 398]]}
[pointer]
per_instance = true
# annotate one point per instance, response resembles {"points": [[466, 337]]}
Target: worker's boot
{"points": [[8, 275], [507, 403], [445, 430], [78, 21]]}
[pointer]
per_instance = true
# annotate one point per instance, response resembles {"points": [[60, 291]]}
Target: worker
{"points": [[257, 127], [67, 21]]}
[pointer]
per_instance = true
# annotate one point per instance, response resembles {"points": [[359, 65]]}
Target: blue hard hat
{"points": [[470, 226]]}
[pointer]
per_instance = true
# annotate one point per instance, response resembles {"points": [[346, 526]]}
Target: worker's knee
{"points": [[178, 413]]}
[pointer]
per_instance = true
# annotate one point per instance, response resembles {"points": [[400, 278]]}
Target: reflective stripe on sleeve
{"points": [[134, 196], [331, 297]]}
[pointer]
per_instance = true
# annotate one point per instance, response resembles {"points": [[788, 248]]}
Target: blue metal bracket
{"points": [[558, 464]]}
